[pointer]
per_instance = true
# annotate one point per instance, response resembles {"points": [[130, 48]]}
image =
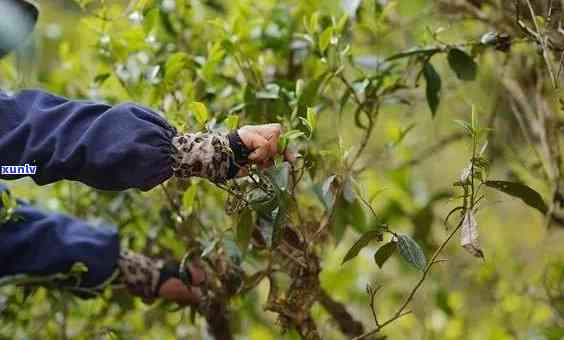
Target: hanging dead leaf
{"points": [[469, 235]]}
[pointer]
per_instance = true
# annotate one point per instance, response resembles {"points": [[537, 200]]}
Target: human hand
{"points": [[262, 142], [173, 289], [150, 278]]}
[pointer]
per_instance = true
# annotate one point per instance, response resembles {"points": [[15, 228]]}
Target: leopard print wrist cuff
{"points": [[140, 274], [207, 155]]}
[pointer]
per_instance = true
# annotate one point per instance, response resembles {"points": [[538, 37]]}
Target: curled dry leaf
{"points": [[465, 175], [469, 235]]}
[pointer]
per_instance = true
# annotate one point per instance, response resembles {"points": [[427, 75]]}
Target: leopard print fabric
{"points": [[207, 155], [140, 274]]}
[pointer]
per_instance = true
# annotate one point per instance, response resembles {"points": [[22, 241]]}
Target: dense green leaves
{"points": [[433, 89], [411, 252], [175, 63], [362, 242], [285, 61], [384, 252], [462, 64], [519, 190]]}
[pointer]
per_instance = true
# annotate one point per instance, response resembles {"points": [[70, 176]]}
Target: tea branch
{"points": [[401, 312]]}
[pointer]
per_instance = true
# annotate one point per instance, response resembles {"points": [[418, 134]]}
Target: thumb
{"points": [[260, 147], [260, 153]]}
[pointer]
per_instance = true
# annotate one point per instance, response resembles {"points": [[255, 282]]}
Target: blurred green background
{"points": [[119, 51]]}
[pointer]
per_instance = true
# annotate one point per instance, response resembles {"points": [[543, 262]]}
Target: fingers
{"points": [[266, 130], [260, 146], [269, 163], [175, 290], [261, 136], [262, 140], [197, 274], [290, 156]]}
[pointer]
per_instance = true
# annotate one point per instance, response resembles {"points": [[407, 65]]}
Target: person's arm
{"points": [[115, 147], [42, 245]]}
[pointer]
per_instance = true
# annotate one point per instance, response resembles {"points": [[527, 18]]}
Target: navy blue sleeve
{"points": [[106, 147], [38, 244]]}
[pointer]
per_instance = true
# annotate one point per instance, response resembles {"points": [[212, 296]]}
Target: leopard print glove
{"points": [[140, 274], [211, 155]]}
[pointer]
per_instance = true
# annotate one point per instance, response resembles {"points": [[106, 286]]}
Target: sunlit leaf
{"points": [[293, 134], [79, 268], [232, 122], [411, 251], [519, 190], [188, 198], [174, 64], [362, 242], [200, 112], [325, 39]]}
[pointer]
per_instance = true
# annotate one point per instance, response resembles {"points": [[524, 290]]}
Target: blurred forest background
{"points": [[384, 135]]}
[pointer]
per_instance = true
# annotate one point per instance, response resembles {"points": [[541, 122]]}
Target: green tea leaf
{"points": [[282, 143], [174, 64], [79, 268], [101, 78], [293, 134], [411, 251], [362, 242], [232, 122], [462, 64], [188, 198], [200, 112], [519, 190], [384, 253], [325, 39], [433, 89], [311, 117]]}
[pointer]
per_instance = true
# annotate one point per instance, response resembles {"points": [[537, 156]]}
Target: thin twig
{"points": [[542, 42], [401, 310]]}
